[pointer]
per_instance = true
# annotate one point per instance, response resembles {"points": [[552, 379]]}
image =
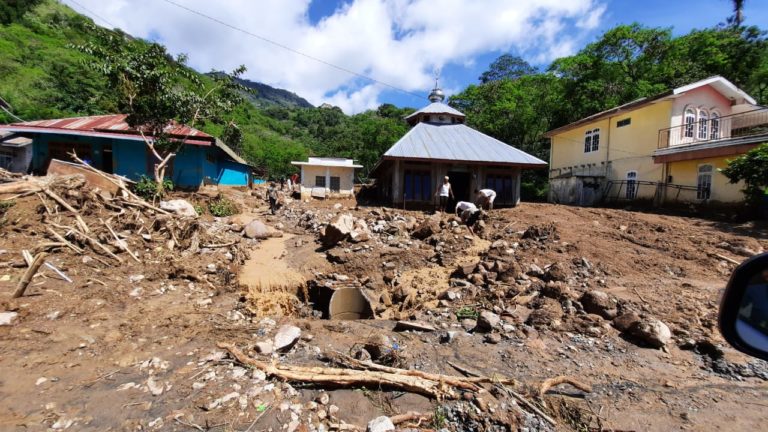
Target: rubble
{"points": [[179, 207], [286, 337], [380, 424]]}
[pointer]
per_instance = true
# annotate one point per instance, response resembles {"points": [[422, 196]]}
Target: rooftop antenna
{"points": [[436, 75]]}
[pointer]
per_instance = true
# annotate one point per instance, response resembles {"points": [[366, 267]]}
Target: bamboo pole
{"points": [[29, 274]]}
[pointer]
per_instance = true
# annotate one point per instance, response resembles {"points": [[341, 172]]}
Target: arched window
{"points": [[631, 184], [703, 124], [587, 141], [689, 119], [704, 182], [714, 126], [595, 139]]}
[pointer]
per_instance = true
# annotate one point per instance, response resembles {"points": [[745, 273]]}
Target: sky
{"points": [[401, 44]]}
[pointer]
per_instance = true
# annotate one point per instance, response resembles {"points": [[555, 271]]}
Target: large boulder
{"points": [[256, 230], [338, 229], [179, 207], [487, 321], [599, 303], [651, 331], [429, 227], [626, 321]]}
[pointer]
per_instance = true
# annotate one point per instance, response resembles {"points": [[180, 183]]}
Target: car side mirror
{"points": [[743, 314]]}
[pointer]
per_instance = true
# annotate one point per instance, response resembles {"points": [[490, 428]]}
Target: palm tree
{"points": [[738, 13]]}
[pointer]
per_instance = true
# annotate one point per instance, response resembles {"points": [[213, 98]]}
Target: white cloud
{"points": [[399, 42]]}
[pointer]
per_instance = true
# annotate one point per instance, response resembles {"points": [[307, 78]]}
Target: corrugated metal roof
{"points": [[231, 153], [112, 125], [457, 142], [437, 108]]}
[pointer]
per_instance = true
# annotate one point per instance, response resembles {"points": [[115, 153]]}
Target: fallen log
{"points": [[350, 377], [29, 274]]}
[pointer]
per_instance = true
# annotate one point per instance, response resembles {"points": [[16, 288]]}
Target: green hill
{"points": [[42, 76]]}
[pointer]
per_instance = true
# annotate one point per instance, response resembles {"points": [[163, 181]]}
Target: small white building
{"points": [[325, 177]]}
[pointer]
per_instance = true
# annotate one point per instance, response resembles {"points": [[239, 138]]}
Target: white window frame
{"points": [[595, 139], [703, 127], [632, 185], [689, 121], [704, 182], [588, 141], [714, 125]]}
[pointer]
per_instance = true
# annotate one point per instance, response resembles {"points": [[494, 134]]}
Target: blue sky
{"points": [[399, 42]]}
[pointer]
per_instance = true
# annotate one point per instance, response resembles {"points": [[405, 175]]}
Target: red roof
{"points": [[111, 126]]}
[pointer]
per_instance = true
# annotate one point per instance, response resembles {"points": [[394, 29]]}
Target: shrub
{"points": [[221, 207], [147, 188], [752, 168]]}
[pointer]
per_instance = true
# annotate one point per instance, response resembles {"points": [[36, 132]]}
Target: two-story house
{"points": [[665, 148]]}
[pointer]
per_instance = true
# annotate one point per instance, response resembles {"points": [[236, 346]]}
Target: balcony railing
{"points": [[741, 125]]}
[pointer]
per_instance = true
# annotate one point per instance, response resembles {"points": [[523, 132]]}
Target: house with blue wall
{"points": [[108, 143]]}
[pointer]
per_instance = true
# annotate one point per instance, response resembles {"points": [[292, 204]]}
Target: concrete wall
{"points": [[686, 173], [568, 147], [703, 97], [346, 180]]}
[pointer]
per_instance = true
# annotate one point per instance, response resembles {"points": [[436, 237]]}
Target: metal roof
{"points": [[457, 142], [329, 162], [110, 126], [231, 153], [437, 108]]}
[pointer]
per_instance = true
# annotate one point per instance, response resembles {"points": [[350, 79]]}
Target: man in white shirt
{"points": [[485, 198], [444, 192], [469, 214]]}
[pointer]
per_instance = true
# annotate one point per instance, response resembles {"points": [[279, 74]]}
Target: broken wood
{"points": [[61, 238], [724, 258], [121, 244], [29, 274], [69, 208], [556, 381], [350, 377], [412, 416]]}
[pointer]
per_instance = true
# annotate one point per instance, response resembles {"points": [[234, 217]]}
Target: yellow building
{"points": [[666, 148]]}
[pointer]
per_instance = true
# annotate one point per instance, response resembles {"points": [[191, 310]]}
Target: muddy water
{"points": [[267, 266]]}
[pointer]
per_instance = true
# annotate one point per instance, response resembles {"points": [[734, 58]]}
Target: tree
{"points": [[159, 93], [12, 10], [507, 66], [233, 137], [752, 168]]}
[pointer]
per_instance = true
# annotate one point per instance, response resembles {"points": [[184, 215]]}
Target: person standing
{"points": [[444, 193], [485, 198], [282, 183], [272, 197]]}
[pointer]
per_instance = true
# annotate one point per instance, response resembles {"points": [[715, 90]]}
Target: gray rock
{"points": [[256, 230], [286, 337], [413, 325], [487, 321], [265, 347], [599, 303], [493, 338], [179, 207], [338, 229], [448, 336], [380, 424], [7, 318], [468, 324], [626, 321], [651, 331]]}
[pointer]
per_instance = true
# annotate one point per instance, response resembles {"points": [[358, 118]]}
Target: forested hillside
{"points": [[43, 76]]}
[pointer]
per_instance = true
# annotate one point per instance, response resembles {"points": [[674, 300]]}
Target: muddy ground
{"points": [[133, 346]]}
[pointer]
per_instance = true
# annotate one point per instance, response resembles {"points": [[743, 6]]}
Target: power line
{"points": [[94, 14], [295, 51]]}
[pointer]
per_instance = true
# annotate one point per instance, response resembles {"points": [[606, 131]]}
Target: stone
{"points": [[378, 346], [7, 318], [555, 290], [626, 321], [599, 303], [380, 424], [547, 314], [265, 347], [154, 388], [556, 272], [429, 227], [468, 324], [256, 230], [179, 207], [286, 337], [534, 270], [493, 338], [487, 321], [323, 398], [448, 336], [414, 326], [337, 230], [651, 331]]}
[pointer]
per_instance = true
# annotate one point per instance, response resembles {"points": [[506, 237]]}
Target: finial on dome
{"points": [[436, 95]]}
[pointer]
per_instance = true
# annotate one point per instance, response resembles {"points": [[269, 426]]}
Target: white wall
{"points": [[346, 179]]}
